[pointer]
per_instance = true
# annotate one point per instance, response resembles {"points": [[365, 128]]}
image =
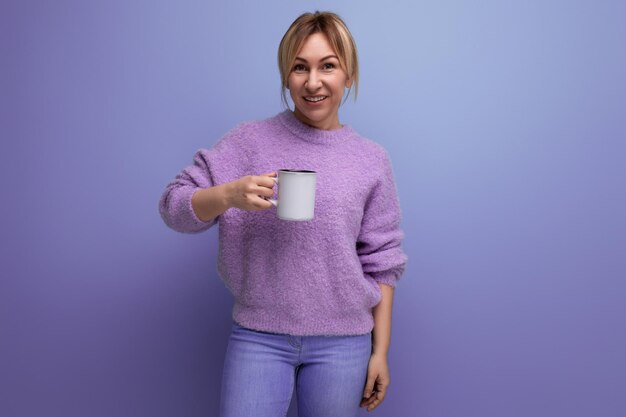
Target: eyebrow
{"points": [[323, 59]]}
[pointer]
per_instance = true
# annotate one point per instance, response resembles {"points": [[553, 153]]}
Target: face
{"points": [[316, 73]]}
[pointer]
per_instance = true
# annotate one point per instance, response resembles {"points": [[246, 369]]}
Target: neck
{"points": [[331, 124]]}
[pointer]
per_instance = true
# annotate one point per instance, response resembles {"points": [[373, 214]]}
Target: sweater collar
{"points": [[313, 134]]}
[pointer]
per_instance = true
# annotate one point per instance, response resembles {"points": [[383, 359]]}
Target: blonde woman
{"points": [[313, 299]]}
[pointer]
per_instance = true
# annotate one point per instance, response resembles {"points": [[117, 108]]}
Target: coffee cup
{"points": [[296, 194]]}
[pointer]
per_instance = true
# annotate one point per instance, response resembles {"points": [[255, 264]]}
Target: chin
{"points": [[316, 117], [315, 113]]}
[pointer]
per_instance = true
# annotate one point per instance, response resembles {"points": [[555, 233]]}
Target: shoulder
{"points": [[238, 132], [373, 152], [237, 136], [250, 128]]}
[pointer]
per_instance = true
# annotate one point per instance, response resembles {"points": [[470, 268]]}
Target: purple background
{"points": [[506, 125]]}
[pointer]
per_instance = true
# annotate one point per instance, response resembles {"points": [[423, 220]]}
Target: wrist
{"points": [[226, 192], [208, 203], [379, 352]]}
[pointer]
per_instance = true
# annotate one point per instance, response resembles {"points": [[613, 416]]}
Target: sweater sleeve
{"points": [[379, 242], [175, 202]]}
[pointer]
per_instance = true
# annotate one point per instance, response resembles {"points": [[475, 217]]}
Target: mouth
{"points": [[314, 99]]}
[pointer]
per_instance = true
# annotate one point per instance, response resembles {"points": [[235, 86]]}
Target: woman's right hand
{"points": [[247, 192]]}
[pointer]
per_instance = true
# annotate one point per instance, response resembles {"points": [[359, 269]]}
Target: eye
{"points": [[331, 65], [298, 67]]}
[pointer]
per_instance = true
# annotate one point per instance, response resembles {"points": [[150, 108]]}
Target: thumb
{"points": [[369, 386], [270, 174]]}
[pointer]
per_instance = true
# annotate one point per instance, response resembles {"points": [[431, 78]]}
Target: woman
{"points": [[313, 299]]}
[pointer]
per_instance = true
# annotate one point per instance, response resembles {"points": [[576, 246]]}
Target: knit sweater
{"points": [[316, 277]]}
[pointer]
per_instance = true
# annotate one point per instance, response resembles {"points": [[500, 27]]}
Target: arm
{"points": [[176, 207], [382, 258], [379, 242], [381, 334], [378, 369], [193, 201], [208, 203]]}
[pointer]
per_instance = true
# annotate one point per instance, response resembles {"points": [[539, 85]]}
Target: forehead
{"points": [[315, 47]]}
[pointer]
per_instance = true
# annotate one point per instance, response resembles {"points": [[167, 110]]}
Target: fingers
{"points": [[264, 191], [371, 400], [256, 202], [262, 204], [369, 387], [250, 192], [266, 180], [368, 397], [259, 185], [382, 390]]}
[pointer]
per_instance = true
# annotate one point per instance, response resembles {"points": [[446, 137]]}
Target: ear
{"points": [[348, 83]]}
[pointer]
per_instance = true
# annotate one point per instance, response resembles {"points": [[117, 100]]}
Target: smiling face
{"points": [[316, 73]]}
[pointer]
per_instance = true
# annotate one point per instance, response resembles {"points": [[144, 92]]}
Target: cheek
{"points": [[338, 86], [293, 87]]}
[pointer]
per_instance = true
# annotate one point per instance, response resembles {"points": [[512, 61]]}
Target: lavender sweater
{"points": [[317, 277]]}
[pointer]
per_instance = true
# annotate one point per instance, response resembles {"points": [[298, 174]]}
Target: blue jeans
{"points": [[260, 370]]}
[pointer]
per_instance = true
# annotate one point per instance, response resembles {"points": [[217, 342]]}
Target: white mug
{"points": [[296, 194]]}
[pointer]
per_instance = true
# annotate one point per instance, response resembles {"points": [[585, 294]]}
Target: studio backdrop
{"points": [[506, 128]]}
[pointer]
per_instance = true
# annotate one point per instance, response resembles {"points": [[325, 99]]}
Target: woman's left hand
{"points": [[377, 382]]}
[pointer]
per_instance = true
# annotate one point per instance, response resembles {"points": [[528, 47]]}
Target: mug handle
{"points": [[271, 200]]}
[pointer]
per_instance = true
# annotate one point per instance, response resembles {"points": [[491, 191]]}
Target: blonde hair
{"points": [[339, 37]]}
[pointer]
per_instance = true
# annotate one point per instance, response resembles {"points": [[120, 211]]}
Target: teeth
{"points": [[315, 98]]}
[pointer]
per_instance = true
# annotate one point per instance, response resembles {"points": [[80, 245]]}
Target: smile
{"points": [[315, 99]]}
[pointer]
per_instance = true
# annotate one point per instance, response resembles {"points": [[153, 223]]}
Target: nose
{"points": [[313, 82]]}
